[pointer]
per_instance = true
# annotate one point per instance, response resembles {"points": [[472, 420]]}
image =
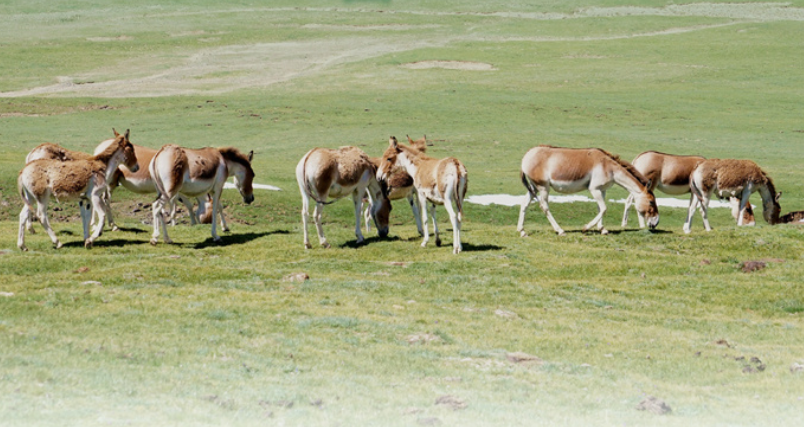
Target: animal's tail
{"points": [[528, 185], [305, 185]]}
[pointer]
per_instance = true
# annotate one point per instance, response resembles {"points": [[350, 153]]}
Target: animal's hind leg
{"points": [[319, 208], [456, 227], [158, 208], [423, 210], [435, 224], [305, 213], [691, 212], [41, 212], [25, 217], [99, 205], [543, 194], [520, 225], [416, 213]]}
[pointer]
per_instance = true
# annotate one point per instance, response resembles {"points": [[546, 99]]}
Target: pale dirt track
{"points": [[229, 68]]}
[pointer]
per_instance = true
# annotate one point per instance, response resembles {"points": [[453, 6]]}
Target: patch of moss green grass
{"points": [[204, 333]]}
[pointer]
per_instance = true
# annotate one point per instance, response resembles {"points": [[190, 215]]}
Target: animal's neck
{"points": [[409, 162], [627, 180], [769, 208]]}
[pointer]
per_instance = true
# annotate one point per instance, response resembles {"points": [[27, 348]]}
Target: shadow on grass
{"points": [[233, 239], [368, 240], [104, 243], [131, 230]]}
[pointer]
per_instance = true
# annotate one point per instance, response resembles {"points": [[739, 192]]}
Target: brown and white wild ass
{"points": [[400, 185], [324, 173], [140, 182], [437, 181], [570, 170], [196, 173], [84, 180], [732, 178], [671, 174]]}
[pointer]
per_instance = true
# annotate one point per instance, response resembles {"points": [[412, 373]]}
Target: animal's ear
{"points": [[778, 196], [426, 142], [650, 184], [410, 141], [115, 133], [250, 156], [392, 142], [128, 132]]}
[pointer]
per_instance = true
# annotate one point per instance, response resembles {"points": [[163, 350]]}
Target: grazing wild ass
{"points": [[325, 173], [732, 178], [436, 181], [671, 174], [195, 173], [570, 170], [84, 180], [400, 185], [140, 181]]}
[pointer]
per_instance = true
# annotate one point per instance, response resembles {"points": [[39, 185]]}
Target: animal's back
{"points": [[61, 179], [352, 164], [546, 163]]}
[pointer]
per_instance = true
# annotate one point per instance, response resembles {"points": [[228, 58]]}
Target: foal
{"points": [[436, 181], [671, 174], [732, 178], [570, 170], [84, 180], [323, 173], [196, 173]]}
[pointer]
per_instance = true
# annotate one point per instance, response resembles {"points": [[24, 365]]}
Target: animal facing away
{"points": [[196, 173], [140, 181], [570, 170], [400, 185], [84, 180], [671, 174], [732, 178], [437, 181], [324, 174]]}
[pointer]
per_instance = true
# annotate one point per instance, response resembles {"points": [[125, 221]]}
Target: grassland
{"points": [[199, 333]]}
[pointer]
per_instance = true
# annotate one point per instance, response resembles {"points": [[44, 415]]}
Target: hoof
{"points": [[307, 245], [31, 231], [154, 241], [561, 233], [687, 231], [523, 233], [58, 245], [424, 244], [23, 248], [438, 242], [325, 245], [604, 232], [457, 250], [88, 244]]}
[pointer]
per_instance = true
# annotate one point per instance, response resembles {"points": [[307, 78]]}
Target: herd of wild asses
{"points": [[324, 175]]}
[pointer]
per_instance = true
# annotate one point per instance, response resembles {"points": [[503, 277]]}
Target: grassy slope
{"points": [[203, 334]]}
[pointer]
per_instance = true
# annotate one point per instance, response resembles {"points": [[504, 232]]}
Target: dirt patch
{"points": [[450, 65]]}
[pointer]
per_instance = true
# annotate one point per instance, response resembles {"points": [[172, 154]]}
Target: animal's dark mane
{"points": [[627, 166], [233, 154], [668, 154]]}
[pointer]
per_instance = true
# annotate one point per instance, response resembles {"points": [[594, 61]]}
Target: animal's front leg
{"points": [[216, 210], [598, 219], [41, 212], [690, 212], [190, 210], [416, 213], [100, 206], [357, 198], [435, 224], [628, 202]]}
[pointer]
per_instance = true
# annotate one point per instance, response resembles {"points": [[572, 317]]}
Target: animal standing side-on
{"points": [[324, 174], [671, 174], [732, 178], [570, 170], [400, 185], [196, 173], [437, 181], [84, 180], [140, 182]]}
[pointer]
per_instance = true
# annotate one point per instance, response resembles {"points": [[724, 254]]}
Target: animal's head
{"points": [[647, 208], [388, 160], [381, 210], [771, 209], [129, 157], [419, 144], [240, 168]]}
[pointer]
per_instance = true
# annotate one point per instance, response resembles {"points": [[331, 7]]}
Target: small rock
{"points": [[429, 421], [6, 294], [705, 262], [654, 405], [452, 402], [506, 314], [82, 270], [296, 277], [723, 342], [796, 367], [92, 282]]}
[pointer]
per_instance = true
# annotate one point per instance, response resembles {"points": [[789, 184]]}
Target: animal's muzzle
{"points": [[135, 168], [248, 199], [383, 232], [653, 222]]}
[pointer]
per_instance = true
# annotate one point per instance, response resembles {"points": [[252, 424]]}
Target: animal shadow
{"points": [[235, 239], [367, 240]]}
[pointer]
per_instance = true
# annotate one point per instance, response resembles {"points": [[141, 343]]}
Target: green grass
{"points": [[199, 333]]}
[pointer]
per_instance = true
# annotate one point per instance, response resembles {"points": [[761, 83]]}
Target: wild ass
{"points": [[795, 217], [436, 181], [140, 182], [195, 173], [325, 173], [732, 178], [671, 174], [570, 170], [84, 180], [400, 185]]}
